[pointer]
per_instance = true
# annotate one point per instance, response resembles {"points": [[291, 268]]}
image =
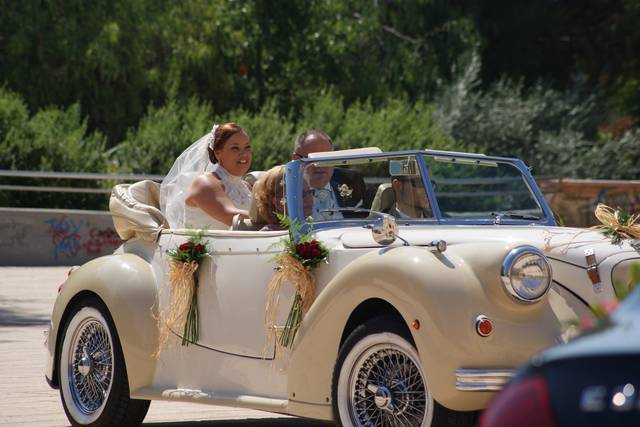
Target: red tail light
{"points": [[525, 403]]}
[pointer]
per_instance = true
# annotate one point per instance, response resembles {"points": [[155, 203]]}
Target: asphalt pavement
{"points": [[26, 298]]}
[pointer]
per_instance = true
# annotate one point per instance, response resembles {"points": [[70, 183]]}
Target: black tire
{"points": [[91, 366], [366, 350]]}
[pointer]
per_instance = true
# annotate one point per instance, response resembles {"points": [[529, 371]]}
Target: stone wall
{"points": [[574, 201], [54, 236]]}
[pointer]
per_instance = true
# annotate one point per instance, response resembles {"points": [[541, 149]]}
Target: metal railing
{"points": [[70, 175]]}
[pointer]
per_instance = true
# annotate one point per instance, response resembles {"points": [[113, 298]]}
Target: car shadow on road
{"points": [[268, 422], [9, 317]]}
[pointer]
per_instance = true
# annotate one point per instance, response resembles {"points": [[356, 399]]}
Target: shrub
{"points": [[537, 124], [52, 140], [613, 158], [13, 114], [162, 134], [271, 135]]}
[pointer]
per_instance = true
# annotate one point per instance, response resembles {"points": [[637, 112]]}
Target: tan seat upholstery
{"points": [[135, 210], [251, 177], [384, 199]]}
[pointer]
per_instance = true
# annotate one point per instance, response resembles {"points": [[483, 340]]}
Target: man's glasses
{"points": [[302, 156]]}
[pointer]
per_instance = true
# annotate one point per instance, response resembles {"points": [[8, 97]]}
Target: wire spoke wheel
{"points": [[91, 370], [90, 366], [387, 389], [379, 382]]}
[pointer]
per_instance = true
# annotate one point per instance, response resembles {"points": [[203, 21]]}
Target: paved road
{"points": [[26, 298]]}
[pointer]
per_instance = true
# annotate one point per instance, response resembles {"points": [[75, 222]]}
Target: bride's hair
{"points": [[221, 135]]}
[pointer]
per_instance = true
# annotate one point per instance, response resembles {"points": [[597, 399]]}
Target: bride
{"points": [[204, 188]]}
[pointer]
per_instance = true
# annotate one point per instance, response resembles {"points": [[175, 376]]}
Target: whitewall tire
{"points": [[92, 375], [379, 381]]}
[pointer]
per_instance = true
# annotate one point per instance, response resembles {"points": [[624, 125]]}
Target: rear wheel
{"points": [[93, 377], [378, 381]]}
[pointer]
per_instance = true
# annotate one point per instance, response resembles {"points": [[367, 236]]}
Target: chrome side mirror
{"points": [[385, 230]]}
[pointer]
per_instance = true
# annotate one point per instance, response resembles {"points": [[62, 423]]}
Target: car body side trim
{"points": [[482, 379]]}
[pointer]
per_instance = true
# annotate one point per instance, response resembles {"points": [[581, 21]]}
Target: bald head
{"points": [[311, 141]]}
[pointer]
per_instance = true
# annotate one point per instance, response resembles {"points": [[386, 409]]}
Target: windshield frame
{"points": [[294, 187]]}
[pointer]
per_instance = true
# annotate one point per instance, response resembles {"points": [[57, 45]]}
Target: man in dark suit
{"points": [[332, 187]]}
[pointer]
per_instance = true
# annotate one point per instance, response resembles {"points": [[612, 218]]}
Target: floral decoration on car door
{"points": [[301, 254], [181, 311]]}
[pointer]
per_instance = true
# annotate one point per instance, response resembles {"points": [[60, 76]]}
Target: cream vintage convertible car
{"points": [[445, 272]]}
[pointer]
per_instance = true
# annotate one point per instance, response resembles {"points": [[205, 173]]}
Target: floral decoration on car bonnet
{"points": [[617, 224], [181, 311], [300, 256]]}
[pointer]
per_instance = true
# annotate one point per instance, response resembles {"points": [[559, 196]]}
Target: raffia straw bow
{"points": [[292, 271], [181, 288], [610, 219]]}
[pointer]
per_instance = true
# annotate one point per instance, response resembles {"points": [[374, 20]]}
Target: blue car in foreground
{"points": [[592, 381]]}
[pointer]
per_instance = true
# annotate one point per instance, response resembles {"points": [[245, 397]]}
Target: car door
{"points": [[232, 293]]}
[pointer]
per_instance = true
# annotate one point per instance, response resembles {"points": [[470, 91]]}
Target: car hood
{"points": [[559, 243]]}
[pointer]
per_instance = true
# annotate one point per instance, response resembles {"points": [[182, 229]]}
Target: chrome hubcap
{"points": [[84, 365], [387, 389], [91, 366], [382, 396]]}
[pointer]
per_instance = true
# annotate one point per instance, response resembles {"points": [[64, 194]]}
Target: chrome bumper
{"points": [[482, 379]]}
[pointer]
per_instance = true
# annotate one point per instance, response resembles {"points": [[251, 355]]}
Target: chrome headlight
{"points": [[526, 274]]}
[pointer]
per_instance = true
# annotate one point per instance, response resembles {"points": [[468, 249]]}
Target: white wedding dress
{"points": [[235, 189]]}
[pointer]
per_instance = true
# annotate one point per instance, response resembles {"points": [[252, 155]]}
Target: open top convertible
{"points": [[445, 272]]}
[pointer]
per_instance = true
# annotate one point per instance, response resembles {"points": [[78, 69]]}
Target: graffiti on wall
{"points": [[65, 236], [100, 238], [70, 238]]}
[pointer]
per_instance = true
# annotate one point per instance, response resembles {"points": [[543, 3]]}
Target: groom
{"points": [[333, 187]]}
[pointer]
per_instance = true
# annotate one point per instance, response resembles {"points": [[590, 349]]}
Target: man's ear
{"points": [[396, 184]]}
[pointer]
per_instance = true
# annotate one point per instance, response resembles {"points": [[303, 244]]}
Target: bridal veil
{"points": [[193, 162]]}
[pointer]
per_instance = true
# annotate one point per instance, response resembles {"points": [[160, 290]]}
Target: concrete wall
{"points": [[54, 236]]}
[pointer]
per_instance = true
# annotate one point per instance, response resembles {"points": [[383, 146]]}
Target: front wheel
{"points": [[92, 375], [378, 381]]}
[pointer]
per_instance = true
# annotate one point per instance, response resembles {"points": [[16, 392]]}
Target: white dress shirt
{"points": [[324, 198]]}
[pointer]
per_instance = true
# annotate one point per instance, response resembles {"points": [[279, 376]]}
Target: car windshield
{"points": [[398, 185], [475, 188]]}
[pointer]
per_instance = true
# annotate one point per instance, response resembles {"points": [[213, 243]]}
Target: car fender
{"points": [[126, 285], [445, 294], [414, 280]]}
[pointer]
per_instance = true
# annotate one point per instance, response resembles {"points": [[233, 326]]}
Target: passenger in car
{"points": [[204, 188], [411, 198], [269, 198], [332, 187], [214, 198]]}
